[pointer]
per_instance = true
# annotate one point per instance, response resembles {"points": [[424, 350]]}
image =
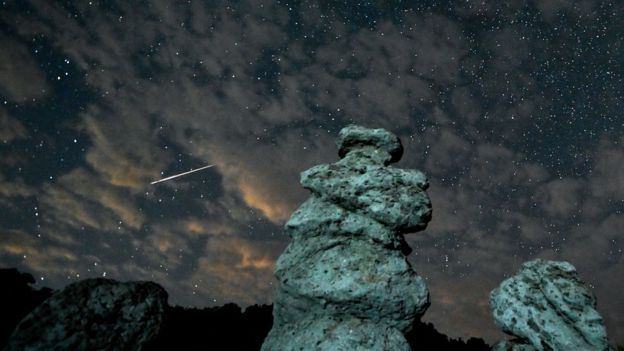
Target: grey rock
{"points": [[344, 281], [510, 345], [353, 137], [331, 334], [93, 314], [394, 197], [548, 306]]}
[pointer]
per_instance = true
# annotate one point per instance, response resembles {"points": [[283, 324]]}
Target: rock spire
{"points": [[344, 280]]}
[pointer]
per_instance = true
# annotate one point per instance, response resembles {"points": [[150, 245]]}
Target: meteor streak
{"points": [[180, 174]]}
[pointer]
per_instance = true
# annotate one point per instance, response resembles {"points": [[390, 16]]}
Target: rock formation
{"points": [[344, 280], [93, 314], [547, 307]]}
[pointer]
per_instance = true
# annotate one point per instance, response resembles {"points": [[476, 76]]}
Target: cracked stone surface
{"points": [[93, 314], [548, 307], [344, 280]]}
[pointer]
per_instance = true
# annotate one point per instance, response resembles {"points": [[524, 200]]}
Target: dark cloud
{"points": [[10, 128], [20, 78]]}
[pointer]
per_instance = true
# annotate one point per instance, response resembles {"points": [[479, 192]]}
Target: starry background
{"points": [[513, 110]]}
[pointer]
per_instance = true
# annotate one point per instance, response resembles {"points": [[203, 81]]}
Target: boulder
{"points": [[548, 307], [93, 314], [344, 280]]}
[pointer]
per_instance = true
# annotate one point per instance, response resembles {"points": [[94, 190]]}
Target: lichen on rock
{"points": [[548, 307], [344, 281]]}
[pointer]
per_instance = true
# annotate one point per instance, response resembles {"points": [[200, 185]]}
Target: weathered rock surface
{"points": [[510, 345], [345, 283], [330, 333], [93, 314], [548, 306]]}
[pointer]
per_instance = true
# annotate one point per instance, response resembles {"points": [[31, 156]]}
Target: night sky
{"points": [[513, 110]]}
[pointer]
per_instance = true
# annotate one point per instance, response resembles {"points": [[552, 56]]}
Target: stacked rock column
{"points": [[344, 280]]}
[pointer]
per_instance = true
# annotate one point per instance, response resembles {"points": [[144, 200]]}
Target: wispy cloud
{"points": [[235, 269], [80, 199], [22, 247], [10, 128], [21, 79]]}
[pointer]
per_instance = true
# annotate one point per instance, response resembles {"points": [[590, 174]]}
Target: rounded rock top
{"points": [[353, 137]]}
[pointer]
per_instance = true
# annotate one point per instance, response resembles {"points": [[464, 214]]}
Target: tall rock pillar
{"points": [[344, 280]]}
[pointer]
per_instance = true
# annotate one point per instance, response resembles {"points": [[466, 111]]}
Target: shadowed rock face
{"points": [[547, 306], [513, 345], [345, 283], [93, 314]]}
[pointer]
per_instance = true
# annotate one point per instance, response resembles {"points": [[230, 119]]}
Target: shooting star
{"points": [[181, 174]]}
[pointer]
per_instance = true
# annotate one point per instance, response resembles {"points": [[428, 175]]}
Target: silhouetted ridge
{"points": [[424, 336], [225, 327], [17, 299], [228, 327]]}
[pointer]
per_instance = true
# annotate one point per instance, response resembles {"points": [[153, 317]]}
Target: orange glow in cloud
{"points": [[237, 269], [254, 197], [257, 188], [123, 209], [51, 260], [248, 261], [32, 252], [111, 163], [196, 226], [126, 175], [15, 249]]}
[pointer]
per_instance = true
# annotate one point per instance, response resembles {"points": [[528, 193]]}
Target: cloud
{"points": [[236, 269], [33, 253], [80, 199], [489, 217], [20, 77], [488, 9], [607, 177], [196, 226], [238, 103], [10, 128], [383, 76], [560, 197], [11, 189], [166, 245], [255, 199], [462, 303], [124, 153], [465, 106], [449, 151], [549, 9]]}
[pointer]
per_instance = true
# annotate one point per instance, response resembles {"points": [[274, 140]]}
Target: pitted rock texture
{"points": [[548, 306], [93, 314], [345, 283], [329, 333]]}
